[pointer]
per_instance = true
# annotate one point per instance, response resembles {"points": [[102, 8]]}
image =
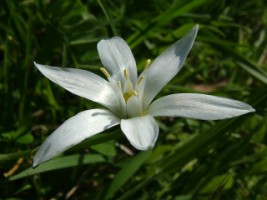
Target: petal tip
{"points": [[36, 162], [248, 108], [251, 109], [35, 64], [34, 165], [194, 30], [38, 66]]}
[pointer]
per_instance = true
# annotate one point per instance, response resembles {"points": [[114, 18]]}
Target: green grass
{"points": [[192, 159]]}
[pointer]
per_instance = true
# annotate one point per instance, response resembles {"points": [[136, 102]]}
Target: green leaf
{"points": [[177, 9], [104, 8], [107, 149], [13, 156], [242, 61], [127, 171], [226, 180], [26, 139], [60, 163], [259, 167], [260, 76]]}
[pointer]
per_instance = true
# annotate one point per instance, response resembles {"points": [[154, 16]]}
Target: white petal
{"points": [[82, 83], [142, 132], [134, 106], [140, 85], [198, 106], [116, 56], [167, 65], [73, 131], [121, 111]]}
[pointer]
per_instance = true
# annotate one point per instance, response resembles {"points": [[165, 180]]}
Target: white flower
{"points": [[128, 97]]}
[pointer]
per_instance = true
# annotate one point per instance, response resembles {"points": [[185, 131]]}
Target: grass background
{"points": [[193, 159]]}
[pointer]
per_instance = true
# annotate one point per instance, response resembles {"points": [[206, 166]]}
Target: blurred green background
{"points": [[192, 159]]}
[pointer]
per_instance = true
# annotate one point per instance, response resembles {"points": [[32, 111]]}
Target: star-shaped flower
{"points": [[128, 98]]}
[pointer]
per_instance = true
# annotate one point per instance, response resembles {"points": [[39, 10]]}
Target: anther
{"points": [[140, 80], [119, 84], [134, 93], [105, 72], [148, 61], [126, 73]]}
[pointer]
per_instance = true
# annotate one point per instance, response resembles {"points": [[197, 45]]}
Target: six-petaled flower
{"points": [[128, 98]]}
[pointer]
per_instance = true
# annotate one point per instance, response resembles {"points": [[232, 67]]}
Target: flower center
{"points": [[127, 95], [130, 96], [128, 89]]}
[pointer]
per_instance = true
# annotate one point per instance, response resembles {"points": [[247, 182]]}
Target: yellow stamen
{"points": [[148, 62], [134, 93], [139, 80], [105, 72], [119, 84], [126, 73]]}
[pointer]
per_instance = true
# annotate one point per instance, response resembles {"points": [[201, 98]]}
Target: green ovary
{"points": [[127, 95]]}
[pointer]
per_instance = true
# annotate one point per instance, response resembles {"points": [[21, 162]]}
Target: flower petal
{"points": [[134, 106], [82, 83], [116, 55], [73, 131], [198, 106], [167, 65], [142, 132]]}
